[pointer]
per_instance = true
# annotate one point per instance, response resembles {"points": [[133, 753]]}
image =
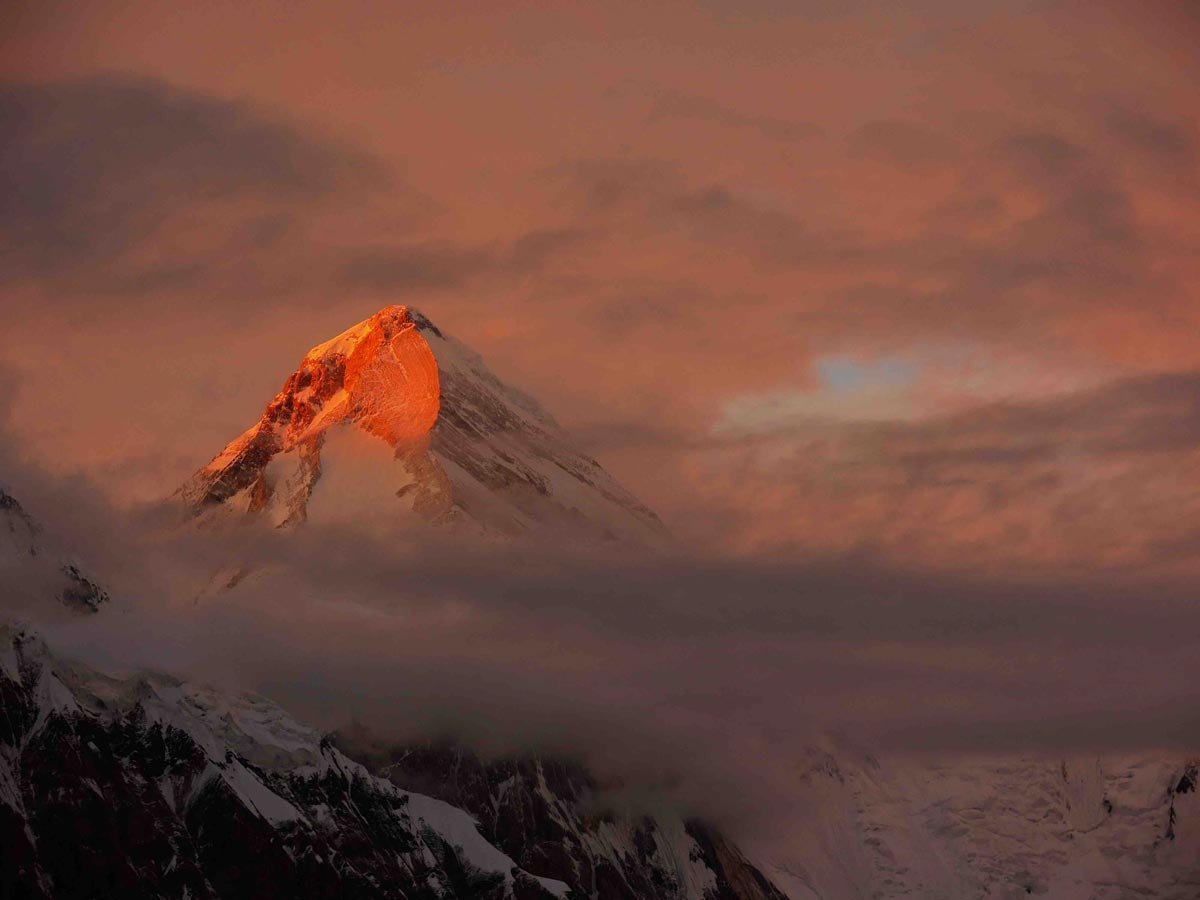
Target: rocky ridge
{"points": [[149, 787]]}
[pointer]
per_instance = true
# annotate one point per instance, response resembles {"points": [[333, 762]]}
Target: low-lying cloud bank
{"points": [[706, 678]]}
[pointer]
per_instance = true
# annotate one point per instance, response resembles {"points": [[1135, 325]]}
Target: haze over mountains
{"points": [[390, 427], [143, 785], [150, 787], [887, 311]]}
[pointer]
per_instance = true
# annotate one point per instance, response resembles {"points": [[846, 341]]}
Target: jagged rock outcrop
{"points": [[153, 788], [395, 416]]}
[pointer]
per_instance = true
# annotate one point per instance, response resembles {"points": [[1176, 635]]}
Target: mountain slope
{"points": [[33, 569], [544, 813], [145, 786], [149, 787], [393, 418], [997, 825]]}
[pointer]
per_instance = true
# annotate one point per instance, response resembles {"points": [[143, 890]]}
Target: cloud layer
{"points": [[877, 306], [703, 678], [98, 171]]}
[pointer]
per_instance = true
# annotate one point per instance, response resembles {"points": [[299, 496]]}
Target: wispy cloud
{"points": [[95, 170], [677, 105]]}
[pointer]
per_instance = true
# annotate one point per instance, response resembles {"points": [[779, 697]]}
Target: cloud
{"points": [[95, 170], [675, 105], [708, 675], [443, 264], [1162, 141], [655, 197], [128, 192], [1032, 230], [1099, 479], [1042, 155], [906, 145], [1029, 206], [421, 265]]}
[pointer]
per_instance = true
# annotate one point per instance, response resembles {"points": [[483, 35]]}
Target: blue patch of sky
{"points": [[845, 375]]}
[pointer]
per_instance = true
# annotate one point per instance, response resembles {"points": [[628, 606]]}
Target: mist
{"points": [[690, 679]]}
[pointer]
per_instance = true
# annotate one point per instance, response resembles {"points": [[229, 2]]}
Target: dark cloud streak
{"points": [[1095, 480], [676, 105], [906, 145], [93, 170], [437, 265]]}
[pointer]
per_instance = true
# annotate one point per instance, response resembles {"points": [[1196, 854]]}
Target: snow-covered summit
{"points": [[395, 418]]}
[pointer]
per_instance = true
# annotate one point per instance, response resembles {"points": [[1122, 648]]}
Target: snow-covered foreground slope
{"points": [[993, 826], [548, 814], [394, 419], [145, 786], [148, 787]]}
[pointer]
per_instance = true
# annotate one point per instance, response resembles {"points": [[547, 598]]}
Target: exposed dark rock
{"points": [[128, 790], [543, 813], [1187, 782], [81, 593]]}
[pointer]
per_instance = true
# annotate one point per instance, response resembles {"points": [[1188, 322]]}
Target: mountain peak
{"points": [[396, 416], [380, 373], [387, 322]]}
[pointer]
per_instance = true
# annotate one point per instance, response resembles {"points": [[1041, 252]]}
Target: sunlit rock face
{"points": [[380, 375], [393, 419]]}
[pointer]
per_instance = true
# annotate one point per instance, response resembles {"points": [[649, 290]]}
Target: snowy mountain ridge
{"points": [[183, 760], [146, 786]]}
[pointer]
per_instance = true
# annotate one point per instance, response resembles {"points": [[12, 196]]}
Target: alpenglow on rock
{"points": [[394, 418]]}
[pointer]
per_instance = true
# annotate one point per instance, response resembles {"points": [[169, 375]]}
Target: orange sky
{"points": [[919, 282]]}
